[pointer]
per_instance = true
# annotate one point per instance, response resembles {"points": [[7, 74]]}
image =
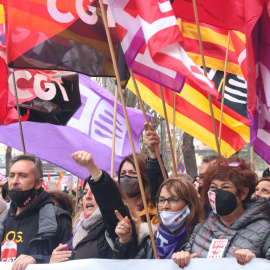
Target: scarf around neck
{"points": [[167, 243], [85, 225]]}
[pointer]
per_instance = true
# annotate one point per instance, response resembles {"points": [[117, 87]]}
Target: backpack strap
{"points": [[266, 246]]}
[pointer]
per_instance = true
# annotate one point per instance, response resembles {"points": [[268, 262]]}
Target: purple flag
{"points": [[260, 126], [90, 129]]}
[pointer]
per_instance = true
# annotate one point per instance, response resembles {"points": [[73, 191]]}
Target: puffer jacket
{"points": [[249, 231]]}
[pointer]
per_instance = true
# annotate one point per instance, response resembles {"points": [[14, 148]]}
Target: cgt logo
{"points": [[38, 79], [89, 17]]}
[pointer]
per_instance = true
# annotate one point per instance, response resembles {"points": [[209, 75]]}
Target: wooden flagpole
{"points": [[18, 109], [174, 139], [223, 88], [114, 130], [128, 128], [168, 131], [205, 74], [146, 120]]}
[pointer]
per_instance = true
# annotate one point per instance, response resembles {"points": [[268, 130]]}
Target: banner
{"points": [[89, 129], [59, 35], [146, 264]]}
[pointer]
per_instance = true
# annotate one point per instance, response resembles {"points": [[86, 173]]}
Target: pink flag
{"points": [[150, 38]]}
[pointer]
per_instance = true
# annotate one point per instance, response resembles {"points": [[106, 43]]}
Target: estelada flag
{"points": [[69, 35], [193, 112], [56, 184]]}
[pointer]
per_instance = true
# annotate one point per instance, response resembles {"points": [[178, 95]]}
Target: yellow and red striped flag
{"points": [[193, 115]]}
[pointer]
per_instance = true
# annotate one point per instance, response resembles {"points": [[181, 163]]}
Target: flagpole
{"points": [[128, 127], [18, 110], [77, 196], [146, 120], [174, 139], [205, 74], [223, 88], [168, 131], [114, 130]]}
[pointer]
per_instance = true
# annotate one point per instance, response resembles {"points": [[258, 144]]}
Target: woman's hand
{"points": [[151, 139], [243, 256], [182, 258], [60, 254], [123, 228], [86, 160]]}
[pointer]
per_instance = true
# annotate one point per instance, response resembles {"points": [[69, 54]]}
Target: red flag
{"points": [[45, 186], [81, 182], [49, 177], [8, 114], [62, 36], [150, 38], [227, 14]]}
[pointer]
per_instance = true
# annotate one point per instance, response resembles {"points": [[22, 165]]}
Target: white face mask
{"points": [[174, 220]]}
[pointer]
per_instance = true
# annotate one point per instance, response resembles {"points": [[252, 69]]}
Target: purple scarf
{"points": [[167, 243]]}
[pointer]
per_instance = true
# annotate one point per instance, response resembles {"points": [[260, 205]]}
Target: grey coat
{"points": [[249, 231]]}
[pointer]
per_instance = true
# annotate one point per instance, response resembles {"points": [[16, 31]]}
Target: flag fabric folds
{"points": [[59, 36], [193, 113], [214, 41], [89, 129], [227, 14], [260, 123], [150, 39]]}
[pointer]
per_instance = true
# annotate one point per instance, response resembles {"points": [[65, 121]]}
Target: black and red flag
{"points": [[59, 35]]}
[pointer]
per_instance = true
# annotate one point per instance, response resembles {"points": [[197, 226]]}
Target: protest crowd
{"points": [[52, 110], [230, 210]]}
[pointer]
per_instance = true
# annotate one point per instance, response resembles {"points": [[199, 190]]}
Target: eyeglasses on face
{"points": [[172, 201]]}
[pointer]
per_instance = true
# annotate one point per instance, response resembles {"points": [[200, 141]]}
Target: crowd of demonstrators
{"points": [[178, 211], [110, 222], [94, 226], [30, 204], [239, 221]]}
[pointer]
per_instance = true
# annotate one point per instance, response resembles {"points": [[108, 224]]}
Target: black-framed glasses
{"points": [[172, 201]]}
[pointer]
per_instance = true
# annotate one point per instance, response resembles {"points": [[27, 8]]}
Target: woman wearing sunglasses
{"points": [[239, 225], [178, 210]]}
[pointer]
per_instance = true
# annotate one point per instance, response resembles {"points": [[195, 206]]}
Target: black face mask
{"points": [[226, 202], [130, 185], [200, 190], [22, 197]]}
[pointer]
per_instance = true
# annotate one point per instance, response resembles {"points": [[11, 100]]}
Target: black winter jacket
{"points": [[50, 225], [98, 244]]}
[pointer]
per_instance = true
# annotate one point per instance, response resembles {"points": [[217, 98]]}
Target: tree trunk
{"points": [[8, 158], [189, 155]]}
